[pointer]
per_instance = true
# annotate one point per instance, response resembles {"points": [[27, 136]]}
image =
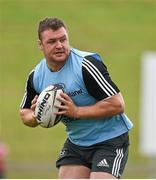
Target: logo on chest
{"points": [[70, 91], [75, 93]]}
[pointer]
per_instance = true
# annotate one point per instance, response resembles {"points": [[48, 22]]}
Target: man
{"points": [[92, 106]]}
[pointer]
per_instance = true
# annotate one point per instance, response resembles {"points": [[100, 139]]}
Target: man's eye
{"points": [[51, 42], [63, 40]]}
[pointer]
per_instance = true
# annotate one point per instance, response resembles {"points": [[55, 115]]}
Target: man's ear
{"points": [[40, 44]]}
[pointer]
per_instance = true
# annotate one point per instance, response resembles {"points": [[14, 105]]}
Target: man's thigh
{"points": [[74, 172], [101, 175]]}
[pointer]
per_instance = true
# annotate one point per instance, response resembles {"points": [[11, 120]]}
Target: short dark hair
{"points": [[50, 23]]}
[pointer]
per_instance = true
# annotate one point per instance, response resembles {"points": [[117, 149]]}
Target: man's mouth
{"points": [[59, 54]]}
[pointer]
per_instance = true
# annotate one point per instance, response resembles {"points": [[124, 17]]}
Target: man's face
{"points": [[55, 45]]}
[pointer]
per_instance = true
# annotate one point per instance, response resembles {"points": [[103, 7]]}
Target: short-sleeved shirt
{"points": [[86, 80]]}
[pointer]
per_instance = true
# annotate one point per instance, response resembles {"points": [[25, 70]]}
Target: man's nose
{"points": [[58, 44]]}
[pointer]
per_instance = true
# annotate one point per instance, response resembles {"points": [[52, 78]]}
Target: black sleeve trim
{"points": [[30, 92], [97, 79]]}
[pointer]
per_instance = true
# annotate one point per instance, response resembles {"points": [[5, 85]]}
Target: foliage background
{"points": [[120, 30]]}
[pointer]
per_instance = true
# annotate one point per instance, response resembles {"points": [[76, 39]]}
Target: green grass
{"points": [[119, 30]]}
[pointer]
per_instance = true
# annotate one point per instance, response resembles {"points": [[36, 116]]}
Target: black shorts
{"points": [[109, 156]]}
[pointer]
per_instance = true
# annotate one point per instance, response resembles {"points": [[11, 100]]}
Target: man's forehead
{"points": [[54, 34]]}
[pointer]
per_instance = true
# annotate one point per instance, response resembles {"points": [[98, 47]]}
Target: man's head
{"points": [[53, 41], [50, 23]]}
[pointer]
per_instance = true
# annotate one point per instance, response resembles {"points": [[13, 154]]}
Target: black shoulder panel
{"points": [[29, 92], [97, 79]]}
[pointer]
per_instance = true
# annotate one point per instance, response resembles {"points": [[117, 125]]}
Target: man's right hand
{"points": [[28, 116]]}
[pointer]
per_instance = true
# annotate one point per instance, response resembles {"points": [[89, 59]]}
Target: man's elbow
{"points": [[22, 116], [27, 118], [121, 107], [120, 103]]}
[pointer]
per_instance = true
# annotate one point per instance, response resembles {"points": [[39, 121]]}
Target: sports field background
{"points": [[121, 31]]}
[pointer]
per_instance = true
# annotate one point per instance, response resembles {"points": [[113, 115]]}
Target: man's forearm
{"points": [[105, 108]]}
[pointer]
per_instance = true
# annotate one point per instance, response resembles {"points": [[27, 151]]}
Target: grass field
{"points": [[121, 31]]}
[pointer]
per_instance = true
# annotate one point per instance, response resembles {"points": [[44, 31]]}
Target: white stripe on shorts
{"points": [[117, 162]]}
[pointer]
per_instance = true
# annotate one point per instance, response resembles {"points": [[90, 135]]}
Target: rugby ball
{"points": [[45, 106]]}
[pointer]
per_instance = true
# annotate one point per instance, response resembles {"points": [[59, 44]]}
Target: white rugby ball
{"points": [[45, 106]]}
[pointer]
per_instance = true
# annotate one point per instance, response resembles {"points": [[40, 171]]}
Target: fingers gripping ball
{"points": [[45, 106]]}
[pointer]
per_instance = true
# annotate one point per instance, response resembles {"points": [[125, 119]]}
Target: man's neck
{"points": [[54, 67]]}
